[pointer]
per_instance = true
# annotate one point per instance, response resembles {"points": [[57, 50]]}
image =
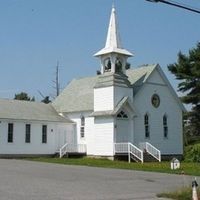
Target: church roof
{"points": [[28, 110], [113, 41], [78, 95]]}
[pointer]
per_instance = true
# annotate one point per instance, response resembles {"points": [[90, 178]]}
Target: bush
{"points": [[192, 153]]}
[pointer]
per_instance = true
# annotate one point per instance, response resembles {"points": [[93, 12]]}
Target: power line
{"points": [[176, 4]]}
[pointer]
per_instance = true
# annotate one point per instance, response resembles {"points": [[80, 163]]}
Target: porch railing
{"points": [[131, 149], [72, 148], [63, 150], [153, 151]]}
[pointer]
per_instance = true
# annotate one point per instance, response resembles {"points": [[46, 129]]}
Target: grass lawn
{"points": [[164, 167], [181, 194]]}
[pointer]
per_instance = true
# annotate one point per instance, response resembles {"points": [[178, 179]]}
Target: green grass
{"points": [[181, 194], [163, 167]]}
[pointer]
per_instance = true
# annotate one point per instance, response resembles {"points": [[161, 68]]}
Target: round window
{"points": [[155, 100]]}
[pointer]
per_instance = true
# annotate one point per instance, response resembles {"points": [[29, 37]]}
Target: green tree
{"points": [[187, 70], [23, 96]]}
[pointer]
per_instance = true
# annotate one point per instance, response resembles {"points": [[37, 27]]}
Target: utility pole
{"points": [[56, 81]]}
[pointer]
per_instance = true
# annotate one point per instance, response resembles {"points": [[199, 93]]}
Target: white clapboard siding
{"points": [[104, 141], [120, 92], [169, 106], [35, 146], [103, 99]]}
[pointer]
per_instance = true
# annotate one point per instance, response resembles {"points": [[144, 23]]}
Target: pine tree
{"points": [[187, 70]]}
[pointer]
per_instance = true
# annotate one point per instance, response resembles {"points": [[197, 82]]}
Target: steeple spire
{"points": [[113, 56], [113, 42], [113, 36]]}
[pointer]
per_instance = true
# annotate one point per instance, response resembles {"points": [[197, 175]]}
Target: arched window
{"points": [[122, 115], [118, 65], [146, 126], [107, 65], [165, 126], [82, 128]]}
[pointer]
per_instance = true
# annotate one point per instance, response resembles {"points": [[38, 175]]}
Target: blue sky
{"points": [[35, 34]]}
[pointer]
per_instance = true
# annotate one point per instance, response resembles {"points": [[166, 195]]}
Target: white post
{"points": [[129, 154], [142, 157], [194, 190], [60, 153], [159, 157], [114, 149]]}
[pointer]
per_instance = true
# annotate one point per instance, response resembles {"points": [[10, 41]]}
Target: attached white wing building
{"points": [[119, 112]]}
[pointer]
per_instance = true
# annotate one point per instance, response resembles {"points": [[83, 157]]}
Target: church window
{"points": [[107, 65], [10, 132], [44, 133], [82, 128], [165, 126], [28, 133], [146, 126], [122, 115], [155, 100], [118, 65]]}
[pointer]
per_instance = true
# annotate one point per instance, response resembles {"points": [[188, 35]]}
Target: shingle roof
{"points": [[27, 110], [140, 74], [78, 95]]}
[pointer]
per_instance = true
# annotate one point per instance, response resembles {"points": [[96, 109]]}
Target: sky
{"points": [[36, 34]]}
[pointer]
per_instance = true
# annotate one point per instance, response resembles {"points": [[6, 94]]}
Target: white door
{"points": [[62, 138], [123, 130]]}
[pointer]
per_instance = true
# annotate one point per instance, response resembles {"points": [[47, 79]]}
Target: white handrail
{"points": [[152, 150], [63, 150], [138, 153], [121, 147], [130, 149], [72, 148]]}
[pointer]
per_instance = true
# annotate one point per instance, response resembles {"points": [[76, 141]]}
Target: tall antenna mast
{"points": [[57, 80]]}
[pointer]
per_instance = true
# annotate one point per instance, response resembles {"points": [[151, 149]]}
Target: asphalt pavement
{"points": [[28, 180]]}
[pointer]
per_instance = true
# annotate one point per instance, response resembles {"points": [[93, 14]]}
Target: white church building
{"points": [[121, 111]]}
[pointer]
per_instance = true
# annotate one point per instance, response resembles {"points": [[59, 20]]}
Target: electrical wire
{"points": [[177, 4], [173, 3]]}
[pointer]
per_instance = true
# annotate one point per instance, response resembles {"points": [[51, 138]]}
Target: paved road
{"points": [[26, 180]]}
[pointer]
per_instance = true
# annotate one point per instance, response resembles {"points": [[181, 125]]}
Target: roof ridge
{"points": [[22, 101]]}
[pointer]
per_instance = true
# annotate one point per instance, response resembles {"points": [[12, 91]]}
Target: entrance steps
{"points": [[72, 150], [146, 152]]}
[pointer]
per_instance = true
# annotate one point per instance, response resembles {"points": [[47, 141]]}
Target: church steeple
{"points": [[113, 56], [113, 36]]}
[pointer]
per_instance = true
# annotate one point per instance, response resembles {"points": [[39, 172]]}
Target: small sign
{"points": [[175, 164]]}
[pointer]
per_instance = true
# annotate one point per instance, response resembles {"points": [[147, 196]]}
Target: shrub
{"points": [[192, 153]]}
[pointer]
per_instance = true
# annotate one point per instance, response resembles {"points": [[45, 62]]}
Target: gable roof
{"points": [[140, 74], [28, 110], [78, 95]]}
